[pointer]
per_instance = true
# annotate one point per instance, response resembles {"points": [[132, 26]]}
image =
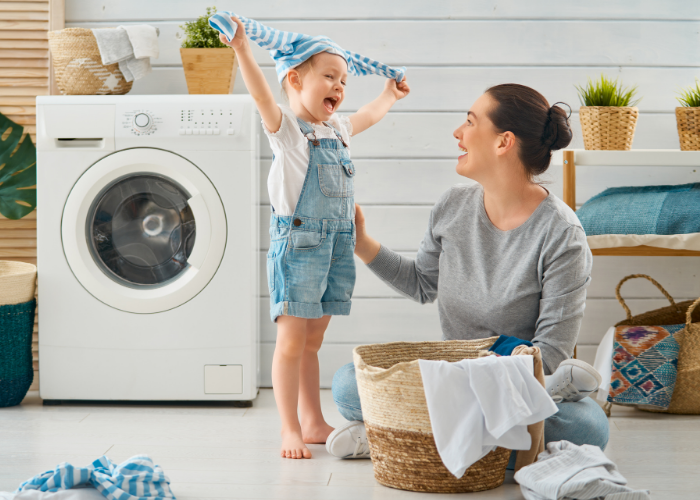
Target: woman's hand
{"points": [[366, 247], [398, 90], [239, 39]]}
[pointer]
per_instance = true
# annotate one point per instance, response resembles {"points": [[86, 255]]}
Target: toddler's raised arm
{"points": [[254, 79], [371, 113]]}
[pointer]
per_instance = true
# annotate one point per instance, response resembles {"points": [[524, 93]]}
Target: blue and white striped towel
{"points": [[135, 479], [291, 49]]}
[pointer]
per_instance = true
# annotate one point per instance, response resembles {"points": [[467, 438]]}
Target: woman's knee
{"points": [[583, 422], [345, 393]]}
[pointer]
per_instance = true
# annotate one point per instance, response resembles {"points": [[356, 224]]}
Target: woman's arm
{"points": [[371, 113], [416, 279], [566, 276], [254, 79]]}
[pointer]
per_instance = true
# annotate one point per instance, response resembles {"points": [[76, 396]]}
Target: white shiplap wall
{"points": [[454, 51]]}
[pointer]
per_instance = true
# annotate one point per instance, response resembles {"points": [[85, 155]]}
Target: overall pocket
{"points": [[306, 240], [336, 181]]}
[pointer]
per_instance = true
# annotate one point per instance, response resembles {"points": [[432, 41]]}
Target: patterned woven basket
{"points": [[686, 393], [78, 66], [396, 417], [608, 127], [17, 306], [688, 123]]}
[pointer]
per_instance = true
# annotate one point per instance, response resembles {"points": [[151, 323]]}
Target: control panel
{"points": [[141, 122], [212, 121]]}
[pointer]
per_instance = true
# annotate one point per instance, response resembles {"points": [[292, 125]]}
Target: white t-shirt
{"points": [[291, 150]]}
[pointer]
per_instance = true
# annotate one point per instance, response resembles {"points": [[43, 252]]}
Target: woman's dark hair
{"points": [[538, 128]]}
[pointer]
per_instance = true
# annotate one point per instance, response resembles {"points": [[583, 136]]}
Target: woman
{"points": [[503, 256]]}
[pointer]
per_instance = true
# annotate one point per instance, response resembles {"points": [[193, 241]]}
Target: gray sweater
{"points": [[529, 282]]}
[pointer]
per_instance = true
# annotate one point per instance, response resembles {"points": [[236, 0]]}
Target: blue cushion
{"points": [[643, 210]]}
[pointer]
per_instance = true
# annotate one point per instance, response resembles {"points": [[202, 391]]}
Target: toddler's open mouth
{"points": [[330, 103]]}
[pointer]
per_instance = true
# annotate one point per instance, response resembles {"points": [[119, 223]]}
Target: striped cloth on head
{"points": [[289, 49], [135, 479]]}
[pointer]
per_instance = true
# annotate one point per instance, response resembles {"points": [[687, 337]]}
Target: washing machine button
{"points": [[195, 131], [182, 131], [209, 131], [216, 131], [230, 131], [189, 131]]}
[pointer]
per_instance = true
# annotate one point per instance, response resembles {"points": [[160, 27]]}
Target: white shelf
{"points": [[636, 158]]}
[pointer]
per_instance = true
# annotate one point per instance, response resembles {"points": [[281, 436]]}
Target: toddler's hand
{"points": [[239, 39], [400, 90]]}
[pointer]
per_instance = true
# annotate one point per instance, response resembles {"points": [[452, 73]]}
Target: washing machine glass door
{"points": [[144, 230]]}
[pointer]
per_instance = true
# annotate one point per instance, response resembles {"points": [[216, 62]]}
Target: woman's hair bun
{"points": [[557, 130]]}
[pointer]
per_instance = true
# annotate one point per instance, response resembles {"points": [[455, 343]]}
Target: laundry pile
{"points": [[130, 46], [138, 478], [567, 471], [476, 405]]}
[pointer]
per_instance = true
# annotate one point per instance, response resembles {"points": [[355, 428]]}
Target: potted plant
{"points": [[688, 118], [17, 279], [210, 66], [608, 114]]}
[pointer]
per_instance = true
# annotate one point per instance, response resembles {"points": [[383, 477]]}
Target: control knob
{"points": [[143, 122]]}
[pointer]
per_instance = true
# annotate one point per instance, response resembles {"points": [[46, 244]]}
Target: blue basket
{"points": [[16, 370]]}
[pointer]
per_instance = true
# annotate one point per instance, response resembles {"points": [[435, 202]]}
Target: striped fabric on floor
{"points": [[135, 479], [290, 49]]}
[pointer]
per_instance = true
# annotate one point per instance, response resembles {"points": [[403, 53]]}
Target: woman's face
{"points": [[478, 140]]}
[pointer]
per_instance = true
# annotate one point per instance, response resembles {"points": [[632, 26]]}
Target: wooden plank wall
{"points": [[25, 74], [454, 51]]}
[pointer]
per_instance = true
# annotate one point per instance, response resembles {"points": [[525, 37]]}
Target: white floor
{"points": [[221, 452]]}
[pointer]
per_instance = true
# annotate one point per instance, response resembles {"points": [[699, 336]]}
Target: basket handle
{"points": [[689, 313], [655, 283]]}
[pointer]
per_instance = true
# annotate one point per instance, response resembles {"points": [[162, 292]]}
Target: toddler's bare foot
{"points": [[316, 434], [293, 446]]}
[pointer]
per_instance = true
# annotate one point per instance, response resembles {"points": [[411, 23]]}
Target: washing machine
{"points": [[147, 236]]}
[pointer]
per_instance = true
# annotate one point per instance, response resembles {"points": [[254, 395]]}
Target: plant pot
{"points": [[688, 123], [17, 306], [608, 128], [78, 65], [209, 71]]}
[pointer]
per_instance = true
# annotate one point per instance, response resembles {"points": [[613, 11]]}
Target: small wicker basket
{"points": [[395, 412], [78, 66], [688, 123], [608, 128]]}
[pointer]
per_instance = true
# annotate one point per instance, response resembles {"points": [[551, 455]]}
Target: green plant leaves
{"points": [[606, 92], [199, 35], [690, 97], [17, 171]]}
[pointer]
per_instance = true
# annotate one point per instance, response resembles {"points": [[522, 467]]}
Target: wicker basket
{"points": [[688, 123], [17, 306], [608, 128], [686, 393], [78, 66], [396, 417]]}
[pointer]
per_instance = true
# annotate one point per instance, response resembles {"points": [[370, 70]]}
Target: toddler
{"points": [[310, 264]]}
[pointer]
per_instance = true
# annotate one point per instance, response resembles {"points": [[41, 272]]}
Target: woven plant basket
{"points": [[686, 393], [608, 127], [688, 123], [78, 66], [17, 306], [395, 412]]}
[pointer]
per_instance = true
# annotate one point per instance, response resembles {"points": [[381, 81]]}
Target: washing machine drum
{"points": [[144, 230]]}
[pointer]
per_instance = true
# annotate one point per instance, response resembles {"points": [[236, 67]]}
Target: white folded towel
{"points": [[130, 46]]}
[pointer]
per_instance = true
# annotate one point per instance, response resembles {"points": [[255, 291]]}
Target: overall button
{"points": [[297, 222]]}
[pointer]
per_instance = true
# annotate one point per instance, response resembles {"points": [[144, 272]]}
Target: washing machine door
{"points": [[143, 230]]}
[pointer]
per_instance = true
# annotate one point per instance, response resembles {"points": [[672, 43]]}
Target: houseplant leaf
{"points": [[17, 171]]}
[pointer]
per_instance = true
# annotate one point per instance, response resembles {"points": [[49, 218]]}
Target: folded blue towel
{"points": [[135, 479], [290, 49], [643, 210], [505, 345]]}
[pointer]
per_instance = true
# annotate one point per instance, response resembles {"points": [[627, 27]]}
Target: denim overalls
{"points": [[310, 264]]}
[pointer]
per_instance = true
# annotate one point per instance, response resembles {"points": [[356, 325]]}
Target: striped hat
{"points": [[289, 49]]}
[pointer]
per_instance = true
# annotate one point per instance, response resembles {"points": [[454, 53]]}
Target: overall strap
{"points": [[337, 133], [308, 132]]}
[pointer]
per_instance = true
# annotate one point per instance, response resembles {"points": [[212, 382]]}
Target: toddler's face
{"points": [[323, 86]]}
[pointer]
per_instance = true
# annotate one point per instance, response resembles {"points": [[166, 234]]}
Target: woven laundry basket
{"points": [[78, 66], [688, 123], [17, 306], [395, 412], [608, 128]]}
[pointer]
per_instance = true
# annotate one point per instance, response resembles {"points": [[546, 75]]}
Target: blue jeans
{"points": [[583, 422]]}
